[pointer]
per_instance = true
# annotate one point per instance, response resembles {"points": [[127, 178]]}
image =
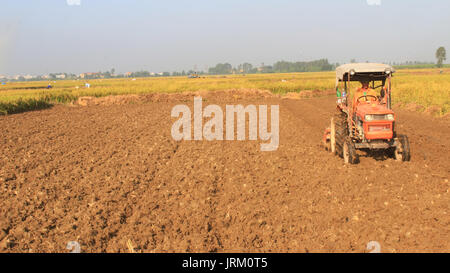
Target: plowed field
{"points": [[112, 178]]}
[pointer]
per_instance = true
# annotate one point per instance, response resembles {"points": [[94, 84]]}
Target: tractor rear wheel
{"points": [[333, 137], [341, 132], [402, 152], [349, 152]]}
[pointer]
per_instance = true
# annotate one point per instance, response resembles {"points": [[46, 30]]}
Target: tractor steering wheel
{"points": [[373, 98]]}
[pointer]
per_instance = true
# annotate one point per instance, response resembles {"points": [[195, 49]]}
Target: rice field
{"points": [[422, 87]]}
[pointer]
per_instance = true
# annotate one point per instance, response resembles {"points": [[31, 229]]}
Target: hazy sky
{"points": [[44, 36]]}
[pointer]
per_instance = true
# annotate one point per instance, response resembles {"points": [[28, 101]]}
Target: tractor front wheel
{"points": [[402, 152], [349, 152]]}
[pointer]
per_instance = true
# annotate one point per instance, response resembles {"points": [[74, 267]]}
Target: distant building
{"points": [[28, 77], [91, 75], [61, 76], [128, 74]]}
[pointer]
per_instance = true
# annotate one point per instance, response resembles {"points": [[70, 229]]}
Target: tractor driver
{"points": [[364, 94]]}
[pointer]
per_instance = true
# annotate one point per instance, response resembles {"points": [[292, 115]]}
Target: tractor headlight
{"points": [[368, 117], [372, 117], [390, 117]]}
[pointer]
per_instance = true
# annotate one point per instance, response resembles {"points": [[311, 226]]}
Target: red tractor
{"points": [[367, 122]]}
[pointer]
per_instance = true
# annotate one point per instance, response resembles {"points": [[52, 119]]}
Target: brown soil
{"points": [[174, 97], [110, 176], [307, 94], [413, 107]]}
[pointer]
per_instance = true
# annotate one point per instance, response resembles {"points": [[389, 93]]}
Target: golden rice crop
{"points": [[424, 87]]}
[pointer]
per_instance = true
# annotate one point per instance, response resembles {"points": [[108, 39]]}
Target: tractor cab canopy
{"points": [[363, 72]]}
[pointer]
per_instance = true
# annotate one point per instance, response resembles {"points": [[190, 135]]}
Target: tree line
{"points": [[278, 67], [244, 68]]}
